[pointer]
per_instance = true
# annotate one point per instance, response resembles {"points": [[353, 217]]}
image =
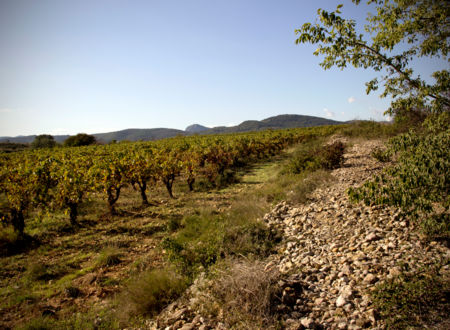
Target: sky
{"points": [[96, 66]]}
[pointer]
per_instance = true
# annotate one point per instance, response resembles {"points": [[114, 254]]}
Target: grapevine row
{"points": [[63, 178]]}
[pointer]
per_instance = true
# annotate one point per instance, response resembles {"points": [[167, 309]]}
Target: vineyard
{"points": [[64, 178], [114, 212]]}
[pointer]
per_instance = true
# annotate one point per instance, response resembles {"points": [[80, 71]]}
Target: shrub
{"points": [[38, 272], [109, 256], [174, 223], [43, 141], [72, 291], [304, 159], [369, 129], [206, 237], [418, 182], [409, 299], [382, 155], [152, 291], [197, 245], [332, 155], [313, 156], [244, 294], [80, 139], [304, 162], [226, 178], [8, 235]]}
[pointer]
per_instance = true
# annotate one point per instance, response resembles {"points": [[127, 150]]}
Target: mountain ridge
{"points": [[149, 134]]}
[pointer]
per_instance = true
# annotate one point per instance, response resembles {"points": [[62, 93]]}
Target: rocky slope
{"points": [[338, 251], [341, 250]]}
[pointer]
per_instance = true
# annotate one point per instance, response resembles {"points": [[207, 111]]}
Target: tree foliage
{"points": [[418, 182], [80, 139], [43, 141], [401, 31]]}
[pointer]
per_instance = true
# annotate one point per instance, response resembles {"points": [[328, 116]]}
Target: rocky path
{"points": [[340, 250], [337, 251]]}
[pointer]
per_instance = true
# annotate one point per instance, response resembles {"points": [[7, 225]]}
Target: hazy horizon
{"points": [[144, 128]]}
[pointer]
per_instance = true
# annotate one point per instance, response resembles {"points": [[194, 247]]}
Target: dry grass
{"points": [[109, 256], [244, 295], [149, 293]]}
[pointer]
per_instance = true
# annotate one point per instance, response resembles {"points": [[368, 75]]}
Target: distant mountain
{"points": [[30, 138], [138, 134], [149, 134], [277, 122], [196, 128]]}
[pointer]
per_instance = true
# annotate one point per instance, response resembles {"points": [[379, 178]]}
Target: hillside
{"points": [[277, 122], [149, 134], [29, 138], [196, 128], [135, 134]]}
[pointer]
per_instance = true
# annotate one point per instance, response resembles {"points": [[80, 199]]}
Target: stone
{"points": [[188, 326], [342, 325], [196, 319], [394, 271], [178, 324], [370, 279], [363, 323], [307, 322], [340, 301], [346, 270], [347, 292], [372, 237], [176, 315]]}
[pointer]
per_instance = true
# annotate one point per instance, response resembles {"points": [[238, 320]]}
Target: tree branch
{"points": [[412, 82]]}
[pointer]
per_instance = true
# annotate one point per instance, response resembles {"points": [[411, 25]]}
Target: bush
{"points": [[152, 291], [418, 183], [109, 256], [8, 236], [205, 238], [39, 271], [226, 178], [313, 156], [410, 299], [43, 141], [369, 129], [382, 155], [80, 139], [304, 159], [197, 245], [332, 155], [244, 294]]}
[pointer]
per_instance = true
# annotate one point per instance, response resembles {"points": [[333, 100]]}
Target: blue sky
{"points": [[103, 65]]}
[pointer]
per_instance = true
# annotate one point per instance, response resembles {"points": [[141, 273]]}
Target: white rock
{"points": [[307, 322], [341, 301]]}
